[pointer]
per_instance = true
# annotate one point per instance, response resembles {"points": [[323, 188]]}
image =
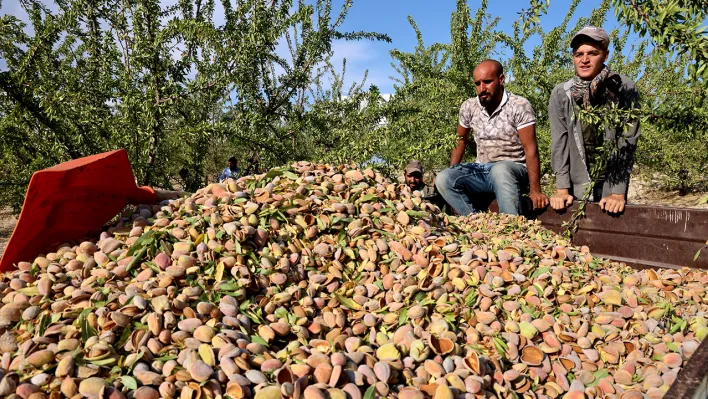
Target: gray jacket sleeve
{"points": [[560, 152], [621, 162]]}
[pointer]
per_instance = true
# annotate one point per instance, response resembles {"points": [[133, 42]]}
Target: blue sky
{"points": [[391, 17], [433, 19]]}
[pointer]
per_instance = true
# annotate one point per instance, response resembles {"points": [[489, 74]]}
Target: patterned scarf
{"points": [[602, 89]]}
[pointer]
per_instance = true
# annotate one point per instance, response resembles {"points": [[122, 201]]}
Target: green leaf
{"points": [[104, 362], [29, 291], [228, 287], [139, 243], [129, 382], [87, 331], [403, 317], [166, 358], [259, 340], [140, 326], [541, 270], [273, 173], [599, 374], [290, 175], [347, 302], [281, 313], [419, 297], [43, 323], [124, 336], [367, 198], [370, 393], [136, 260]]}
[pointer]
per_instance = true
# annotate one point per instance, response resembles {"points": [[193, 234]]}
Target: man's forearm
{"points": [[533, 165], [457, 152]]}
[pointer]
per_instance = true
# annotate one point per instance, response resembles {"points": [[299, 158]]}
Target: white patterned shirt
{"points": [[497, 135]]}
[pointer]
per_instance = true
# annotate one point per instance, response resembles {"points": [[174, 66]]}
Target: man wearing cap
{"points": [[413, 177], [575, 147], [504, 126]]}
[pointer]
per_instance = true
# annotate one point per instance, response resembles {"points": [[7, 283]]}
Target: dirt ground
{"points": [[639, 193], [7, 224], [642, 192]]}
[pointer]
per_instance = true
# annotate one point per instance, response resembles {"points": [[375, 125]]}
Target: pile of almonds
{"points": [[328, 282]]}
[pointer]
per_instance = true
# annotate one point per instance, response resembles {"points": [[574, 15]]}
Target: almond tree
{"points": [[174, 85]]}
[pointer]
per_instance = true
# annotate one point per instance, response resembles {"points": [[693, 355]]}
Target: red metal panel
{"points": [[69, 200]]}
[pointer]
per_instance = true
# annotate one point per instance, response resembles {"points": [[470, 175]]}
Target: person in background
{"points": [[413, 176], [574, 147], [504, 127], [231, 171]]}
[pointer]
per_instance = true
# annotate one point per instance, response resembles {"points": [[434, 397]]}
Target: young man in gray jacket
{"points": [[574, 147]]}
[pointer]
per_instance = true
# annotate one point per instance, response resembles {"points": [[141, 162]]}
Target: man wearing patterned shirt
{"points": [[504, 126]]}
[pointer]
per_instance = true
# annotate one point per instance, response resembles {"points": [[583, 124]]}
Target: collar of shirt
{"points": [[504, 100], [420, 188]]}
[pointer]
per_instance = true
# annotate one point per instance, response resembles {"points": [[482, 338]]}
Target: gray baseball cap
{"points": [[593, 33], [414, 166]]}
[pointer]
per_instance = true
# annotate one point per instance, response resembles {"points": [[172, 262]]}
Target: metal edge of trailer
{"points": [[641, 237]]}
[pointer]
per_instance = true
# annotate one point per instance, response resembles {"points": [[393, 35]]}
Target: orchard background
{"points": [[182, 93]]}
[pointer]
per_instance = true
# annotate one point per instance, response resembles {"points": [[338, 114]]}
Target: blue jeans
{"points": [[461, 183]]}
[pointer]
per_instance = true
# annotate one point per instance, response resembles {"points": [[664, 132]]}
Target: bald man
{"points": [[507, 164]]}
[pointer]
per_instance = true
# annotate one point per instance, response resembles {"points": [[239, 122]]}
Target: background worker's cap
{"points": [[593, 33], [414, 166]]}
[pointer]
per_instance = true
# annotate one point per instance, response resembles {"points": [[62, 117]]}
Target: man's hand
{"points": [[527, 136], [561, 200], [613, 203], [539, 199]]}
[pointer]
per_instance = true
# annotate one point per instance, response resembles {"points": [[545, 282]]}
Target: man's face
{"points": [[232, 165], [414, 179], [489, 85], [588, 59]]}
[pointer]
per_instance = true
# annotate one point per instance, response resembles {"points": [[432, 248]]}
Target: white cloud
{"points": [[362, 56], [354, 51]]}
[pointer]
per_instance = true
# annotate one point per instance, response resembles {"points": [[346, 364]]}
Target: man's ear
{"points": [[607, 54], [501, 79]]}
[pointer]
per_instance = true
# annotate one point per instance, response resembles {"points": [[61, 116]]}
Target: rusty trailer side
{"points": [[642, 236]]}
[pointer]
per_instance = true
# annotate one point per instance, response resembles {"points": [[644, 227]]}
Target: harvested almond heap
{"points": [[329, 282]]}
